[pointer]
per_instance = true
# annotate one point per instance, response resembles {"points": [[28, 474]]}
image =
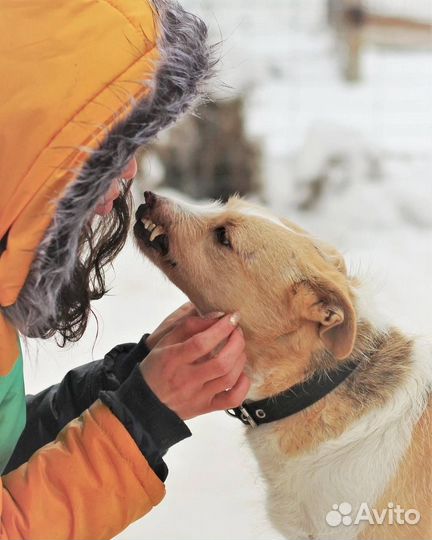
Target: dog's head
{"points": [[239, 257]]}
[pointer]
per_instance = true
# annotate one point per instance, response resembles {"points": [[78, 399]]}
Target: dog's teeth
{"points": [[154, 229], [156, 232]]}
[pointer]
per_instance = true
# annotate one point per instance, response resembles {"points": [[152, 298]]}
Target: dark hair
{"points": [[100, 243]]}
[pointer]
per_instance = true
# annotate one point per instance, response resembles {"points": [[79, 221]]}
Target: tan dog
{"points": [[357, 463]]}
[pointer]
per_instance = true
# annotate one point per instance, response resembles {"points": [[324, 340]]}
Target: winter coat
{"points": [[84, 84]]}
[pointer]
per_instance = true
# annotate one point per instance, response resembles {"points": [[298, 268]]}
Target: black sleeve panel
{"points": [[50, 410], [153, 426]]}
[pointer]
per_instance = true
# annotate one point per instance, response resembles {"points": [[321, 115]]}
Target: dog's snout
{"points": [[145, 209], [150, 199], [141, 212]]}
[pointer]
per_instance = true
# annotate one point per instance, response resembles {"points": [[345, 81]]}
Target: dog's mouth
{"points": [[151, 235]]}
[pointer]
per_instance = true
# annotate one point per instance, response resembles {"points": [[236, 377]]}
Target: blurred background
{"points": [[321, 110]]}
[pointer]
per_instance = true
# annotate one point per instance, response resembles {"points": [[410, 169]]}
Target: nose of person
{"points": [[129, 172], [106, 202]]}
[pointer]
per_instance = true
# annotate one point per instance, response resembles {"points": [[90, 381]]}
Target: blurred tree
{"points": [[209, 155]]}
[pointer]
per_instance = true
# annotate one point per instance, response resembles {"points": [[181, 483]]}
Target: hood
{"points": [[84, 84]]}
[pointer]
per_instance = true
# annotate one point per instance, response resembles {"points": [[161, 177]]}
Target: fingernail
{"points": [[235, 318], [214, 315]]}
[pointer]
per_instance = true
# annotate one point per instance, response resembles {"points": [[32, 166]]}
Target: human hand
{"points": [[178, 316], [197, 367]]}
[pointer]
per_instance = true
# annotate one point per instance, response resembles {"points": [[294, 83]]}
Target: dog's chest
{"points": [[354, 468]]}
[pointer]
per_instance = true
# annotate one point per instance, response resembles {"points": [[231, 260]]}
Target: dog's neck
{"points": [[280, 363], [384, 358]]}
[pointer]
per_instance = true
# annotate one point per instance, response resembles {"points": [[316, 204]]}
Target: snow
{"points": [[372, 142], [418, 10]]}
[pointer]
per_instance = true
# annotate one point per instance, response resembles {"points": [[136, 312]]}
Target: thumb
{"points": [[188, 327]]}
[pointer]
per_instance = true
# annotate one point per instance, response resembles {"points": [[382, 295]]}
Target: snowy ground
{"points": [[373, 141]]}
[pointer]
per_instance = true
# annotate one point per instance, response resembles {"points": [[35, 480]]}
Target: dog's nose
{"points": [[142, 210], [150, 198]]}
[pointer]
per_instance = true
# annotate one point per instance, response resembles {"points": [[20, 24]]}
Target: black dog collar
{"points": [[293, 400]]}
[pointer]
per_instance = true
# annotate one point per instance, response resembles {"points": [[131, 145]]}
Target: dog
{"points": [[344, 441]]}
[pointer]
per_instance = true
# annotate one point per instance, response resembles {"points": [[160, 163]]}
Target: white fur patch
{"points": [[355, 468], [210, 209], [262, 213], [215, 208]]}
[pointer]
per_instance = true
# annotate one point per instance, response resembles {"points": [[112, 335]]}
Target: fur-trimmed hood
{"points": [[85, 84]]}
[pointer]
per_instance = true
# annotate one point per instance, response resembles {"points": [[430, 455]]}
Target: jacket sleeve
{"points": [[118, 382], [91, 482], [50, 410]]}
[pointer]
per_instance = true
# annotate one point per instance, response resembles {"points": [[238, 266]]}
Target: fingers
{"points": [[202, 343], [186, 309], [198, 366], [179, 316], [170, 322], [185, 329], [232, 398], [224, 362], [227, 381]]}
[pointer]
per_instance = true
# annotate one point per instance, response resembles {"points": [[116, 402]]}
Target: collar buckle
{"points": [[242, 414], [246, 417]]}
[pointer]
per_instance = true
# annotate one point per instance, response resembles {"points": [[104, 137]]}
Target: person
{"points": [[84, 84]]}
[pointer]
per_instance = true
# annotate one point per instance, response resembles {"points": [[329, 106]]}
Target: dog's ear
{"points": [[334, 312]]}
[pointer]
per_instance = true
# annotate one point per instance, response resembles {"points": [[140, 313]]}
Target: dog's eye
{"points": [[221, 237]]}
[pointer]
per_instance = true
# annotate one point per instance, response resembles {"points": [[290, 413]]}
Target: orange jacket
{"points": [[84, 83]]}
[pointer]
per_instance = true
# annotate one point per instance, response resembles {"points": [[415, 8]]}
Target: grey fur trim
{"points": [[186, 63]]}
